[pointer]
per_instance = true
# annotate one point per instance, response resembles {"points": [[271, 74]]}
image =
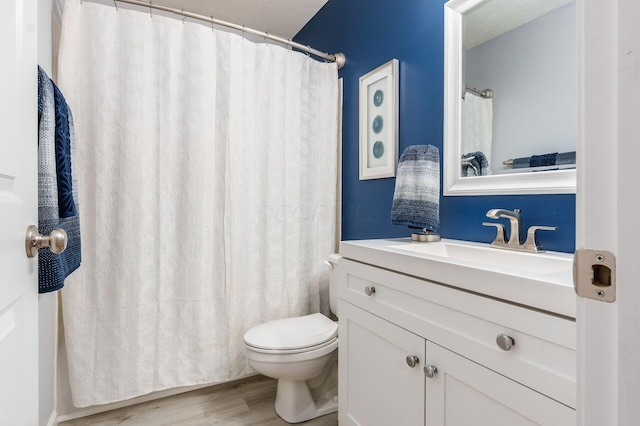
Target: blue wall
{"points": [[370, 33]]}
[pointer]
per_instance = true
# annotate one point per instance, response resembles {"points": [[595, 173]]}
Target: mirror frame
{"points": [[549, 182]]}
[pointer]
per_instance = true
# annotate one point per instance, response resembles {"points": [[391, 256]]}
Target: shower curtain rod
{"points": [[486, 93], [338, 58]]}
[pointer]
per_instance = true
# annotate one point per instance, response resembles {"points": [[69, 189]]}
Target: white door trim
{"points": [[596, 123], [607, 206]]}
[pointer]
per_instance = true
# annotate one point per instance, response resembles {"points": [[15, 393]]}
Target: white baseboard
{"points": [[53, 419], [96, 409]]}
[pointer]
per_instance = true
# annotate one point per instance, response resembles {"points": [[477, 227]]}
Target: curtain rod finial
{"points": [[340, 60]]}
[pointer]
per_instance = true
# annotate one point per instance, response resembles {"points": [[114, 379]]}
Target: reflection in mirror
{"points": [[518, 111]]}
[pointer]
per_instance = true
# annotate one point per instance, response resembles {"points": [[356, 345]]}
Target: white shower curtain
{"points": [[207, 169]]}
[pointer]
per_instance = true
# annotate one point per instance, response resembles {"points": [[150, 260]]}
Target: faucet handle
{"points": [[532, 244], [500, 238]]}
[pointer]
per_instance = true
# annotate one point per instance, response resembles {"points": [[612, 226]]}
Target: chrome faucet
{"points": [[530, 245], [514, 218]]}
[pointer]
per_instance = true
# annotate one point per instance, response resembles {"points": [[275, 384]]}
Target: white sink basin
{"points": [[539, 280], [537, 263]]}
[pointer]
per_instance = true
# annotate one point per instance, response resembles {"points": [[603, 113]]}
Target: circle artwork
{"points": [[377, 124], [378, 149], [378, 97]]}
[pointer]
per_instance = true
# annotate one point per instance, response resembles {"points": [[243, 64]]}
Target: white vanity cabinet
{"points": [[387, 317], [377, 387], [464, 393]]}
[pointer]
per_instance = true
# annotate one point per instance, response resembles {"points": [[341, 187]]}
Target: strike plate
{"points": [[594, 274]]}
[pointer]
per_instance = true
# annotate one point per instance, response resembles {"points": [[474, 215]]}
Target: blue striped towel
{"points": [[57, 189], [416, 201], [552, 159]]}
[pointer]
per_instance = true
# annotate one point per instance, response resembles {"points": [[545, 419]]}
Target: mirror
{"points": [[510, 97]]}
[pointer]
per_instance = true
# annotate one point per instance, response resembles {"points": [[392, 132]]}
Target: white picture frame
{"points": [[378, 121]]}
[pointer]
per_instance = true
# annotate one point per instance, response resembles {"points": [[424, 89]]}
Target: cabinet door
{"points": [[377, 386], [464, 393]]}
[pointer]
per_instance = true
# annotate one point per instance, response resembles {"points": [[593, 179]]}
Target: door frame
{"points": [[607, 204]]}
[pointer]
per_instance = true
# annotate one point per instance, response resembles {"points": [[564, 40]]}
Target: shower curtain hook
{"points": [[115, 3], [150, 11], [307, 52], [212, 23], [243, 32], [185, 16]]}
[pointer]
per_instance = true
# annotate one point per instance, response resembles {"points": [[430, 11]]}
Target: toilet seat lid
{"points": [[292, 333]]}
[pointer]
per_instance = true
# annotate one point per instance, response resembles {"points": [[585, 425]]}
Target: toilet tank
{"points": [[333, 282]]}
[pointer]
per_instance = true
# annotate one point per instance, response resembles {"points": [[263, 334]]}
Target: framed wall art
{"points": [[379, 122]]}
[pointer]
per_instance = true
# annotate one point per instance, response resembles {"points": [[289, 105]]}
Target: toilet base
{"points": [[295, 404]]}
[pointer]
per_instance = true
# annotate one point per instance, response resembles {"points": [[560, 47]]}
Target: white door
{"points": [[463, 393], [18, 209], [608, 204], [377, 386]]}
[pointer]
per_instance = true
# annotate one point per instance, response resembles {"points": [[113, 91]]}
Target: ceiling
{"points": [[284, 18], [492, 18]]}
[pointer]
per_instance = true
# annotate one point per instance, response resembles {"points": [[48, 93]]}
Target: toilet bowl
{"points": [[302, 354]]}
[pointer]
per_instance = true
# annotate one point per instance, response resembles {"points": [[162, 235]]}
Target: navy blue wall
{"points": [[370, 33]]}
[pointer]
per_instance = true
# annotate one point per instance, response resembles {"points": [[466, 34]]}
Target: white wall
{"points": [[47, 318], [532, 71]]}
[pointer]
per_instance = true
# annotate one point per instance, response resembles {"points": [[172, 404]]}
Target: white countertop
{"points": [[538, 280]]}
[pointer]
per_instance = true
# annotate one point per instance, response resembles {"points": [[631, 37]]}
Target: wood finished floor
{"points": [[249, 402]]}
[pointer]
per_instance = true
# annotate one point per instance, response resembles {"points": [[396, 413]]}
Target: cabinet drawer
{"points": [[543, 356]]}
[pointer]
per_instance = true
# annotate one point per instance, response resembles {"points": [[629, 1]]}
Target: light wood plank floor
{"points": [[247, 402]]}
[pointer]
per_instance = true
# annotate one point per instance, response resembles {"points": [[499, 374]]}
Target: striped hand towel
{"points": [[416, 201]]}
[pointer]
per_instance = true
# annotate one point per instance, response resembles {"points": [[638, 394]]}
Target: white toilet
{"points": [[302, 353]]}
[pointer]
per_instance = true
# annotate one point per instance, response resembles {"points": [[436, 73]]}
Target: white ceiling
{"points": [[284, 18], [492, 18]]}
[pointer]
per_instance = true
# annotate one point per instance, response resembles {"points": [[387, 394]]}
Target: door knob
{"points": [[56, 241], [430, 371], [412, 360]]}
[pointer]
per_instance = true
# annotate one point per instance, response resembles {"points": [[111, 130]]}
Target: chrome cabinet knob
{"points": [[504, 342], [369, 290], [430, 371], [412, 360], [56, 241]]}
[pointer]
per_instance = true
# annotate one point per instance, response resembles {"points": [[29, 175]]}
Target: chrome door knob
{"points": [[56, 241], [430, 371], [412, 360], [505, 342], [369, 290]]}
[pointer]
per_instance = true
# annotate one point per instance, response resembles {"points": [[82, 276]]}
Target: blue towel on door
{"points": [[57, 191], [416, 200]]}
